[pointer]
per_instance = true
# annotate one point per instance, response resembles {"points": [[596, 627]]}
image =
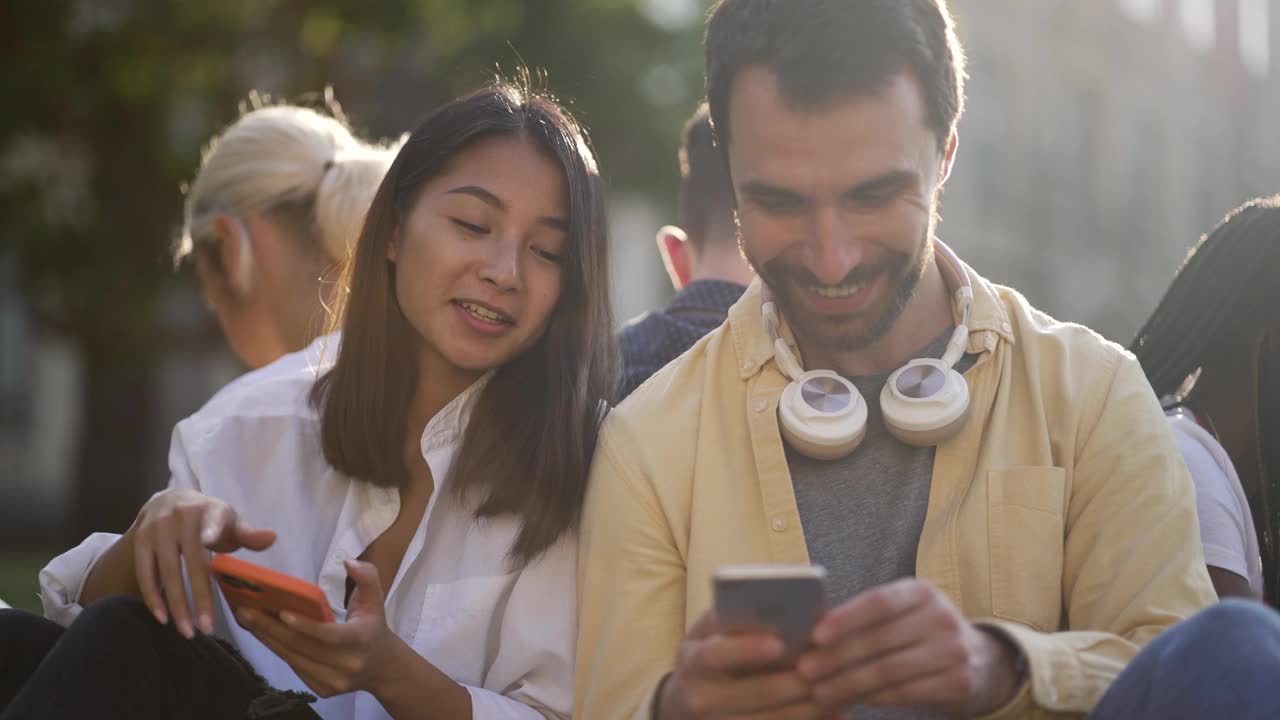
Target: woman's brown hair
{"points": [[527, 450]]}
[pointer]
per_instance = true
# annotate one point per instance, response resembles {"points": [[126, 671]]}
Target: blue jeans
{"points": [[1223, 662]]}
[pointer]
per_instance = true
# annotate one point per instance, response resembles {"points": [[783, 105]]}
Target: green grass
{"points": [[18, 577]]}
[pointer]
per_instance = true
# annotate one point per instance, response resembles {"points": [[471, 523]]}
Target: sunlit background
{"points": [[1102, 138]]}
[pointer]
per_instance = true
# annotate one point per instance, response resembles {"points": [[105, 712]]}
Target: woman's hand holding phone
{"points": [[335, 658], [178, 526]]}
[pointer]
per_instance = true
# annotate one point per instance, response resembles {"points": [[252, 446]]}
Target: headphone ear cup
{"points": [[925, 403], [822, 415]]}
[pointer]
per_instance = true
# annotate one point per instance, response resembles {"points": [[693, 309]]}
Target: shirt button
{"points": [[761, 405], [340, 555], [1007, 327], [779, 524], [748, 366]]}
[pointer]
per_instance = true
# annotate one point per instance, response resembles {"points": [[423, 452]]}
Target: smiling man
{"points": [[1004, 521]]}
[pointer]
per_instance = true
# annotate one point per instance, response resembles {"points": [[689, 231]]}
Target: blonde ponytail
{"points": [[287, 158]]}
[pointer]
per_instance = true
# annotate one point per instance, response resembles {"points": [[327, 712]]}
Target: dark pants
{"points": [[1223, 662], [116, 661]]}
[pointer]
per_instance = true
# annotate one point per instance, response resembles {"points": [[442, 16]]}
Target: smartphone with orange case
{"points": [[247, 585]]}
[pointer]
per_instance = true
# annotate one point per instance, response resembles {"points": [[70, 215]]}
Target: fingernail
{"points": [[245, 617], [209, 535], [288, 618], [184, 627], [162, 617], [206, 624]]}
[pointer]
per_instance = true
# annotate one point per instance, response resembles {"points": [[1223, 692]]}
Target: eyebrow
{"points": [[494, 201], [894, 179]]}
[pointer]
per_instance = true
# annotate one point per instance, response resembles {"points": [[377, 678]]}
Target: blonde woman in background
{"points": [[278, 200]]}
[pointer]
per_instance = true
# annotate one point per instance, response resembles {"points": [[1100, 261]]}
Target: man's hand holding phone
{"points": [[906, 643], [738, 660], [721, 675], [181, 526]]}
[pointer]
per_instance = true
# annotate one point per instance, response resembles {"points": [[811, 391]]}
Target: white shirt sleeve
{"points": [[1222, 525], [531, 675], [62, 580]]}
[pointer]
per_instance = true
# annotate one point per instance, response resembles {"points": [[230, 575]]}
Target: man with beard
{"points": [[1002, 515]]}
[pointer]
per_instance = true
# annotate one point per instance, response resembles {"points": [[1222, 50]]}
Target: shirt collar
{"points": [[446, 427], [988, 324]]}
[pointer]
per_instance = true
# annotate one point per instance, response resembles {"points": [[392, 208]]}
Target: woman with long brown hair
{"points": [[429, 480]]}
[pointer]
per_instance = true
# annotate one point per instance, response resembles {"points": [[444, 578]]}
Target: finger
{"points": [[797, 711], [263, 624], [326, 633], [758, 693], [253, 538], [367, 597], [321, 679], [945, 688], [855, 684], [705, 627], [873, 607], [216, 528], [196, 558], [144, 568], [737, 653], [854, 647], [175, 592]]}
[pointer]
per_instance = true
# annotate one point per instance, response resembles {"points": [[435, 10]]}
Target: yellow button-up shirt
{"points": [[1061, 513]]}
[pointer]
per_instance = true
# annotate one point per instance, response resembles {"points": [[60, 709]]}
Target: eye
{"points": [[547, 255], [473, 229]]}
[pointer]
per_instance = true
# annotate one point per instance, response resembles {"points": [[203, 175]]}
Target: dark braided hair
{"points": [[1226, 288]]}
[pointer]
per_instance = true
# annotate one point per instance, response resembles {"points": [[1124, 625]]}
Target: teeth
{"points": [[483, 313], [836, 291]]}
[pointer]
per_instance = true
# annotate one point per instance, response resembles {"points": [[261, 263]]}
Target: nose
{"points": [[835, 249], [501, 264]]}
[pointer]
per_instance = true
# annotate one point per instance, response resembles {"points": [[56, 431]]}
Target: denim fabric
{"points": [[116, 661], [1223, 662]]}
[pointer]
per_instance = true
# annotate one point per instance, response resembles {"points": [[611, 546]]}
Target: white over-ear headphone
{"points": [[823, 416]]}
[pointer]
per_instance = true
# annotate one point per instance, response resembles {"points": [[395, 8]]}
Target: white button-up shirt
{"points": [[506, 634]]}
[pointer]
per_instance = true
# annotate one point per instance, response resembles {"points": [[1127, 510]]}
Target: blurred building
{"points": [[1102, 138]]}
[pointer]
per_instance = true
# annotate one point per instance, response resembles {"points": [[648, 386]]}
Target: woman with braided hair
{"points": [[1211, 351]]}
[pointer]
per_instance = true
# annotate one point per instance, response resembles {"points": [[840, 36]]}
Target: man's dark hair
{"points": [[828, 50], [706, 196]]}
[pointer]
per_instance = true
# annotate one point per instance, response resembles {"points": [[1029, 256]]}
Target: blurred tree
{"points": [[108, 103]]}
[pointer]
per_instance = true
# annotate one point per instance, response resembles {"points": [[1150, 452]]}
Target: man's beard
{"points": [[832, 332]]}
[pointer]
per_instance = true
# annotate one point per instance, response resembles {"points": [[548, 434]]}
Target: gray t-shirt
{"points": [[862, 514]]}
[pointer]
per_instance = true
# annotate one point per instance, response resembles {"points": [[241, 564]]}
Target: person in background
{"points": [[1211, 350], [429, 482], [274, 209], [701, 256]]}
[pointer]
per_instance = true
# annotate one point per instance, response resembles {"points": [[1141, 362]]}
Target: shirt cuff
{"points": [[489, 705], [62, 580]]}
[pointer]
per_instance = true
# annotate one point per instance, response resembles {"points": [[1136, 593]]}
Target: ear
{"points": [[677, 255], [235, 252], [393, 245], [949, 157]]}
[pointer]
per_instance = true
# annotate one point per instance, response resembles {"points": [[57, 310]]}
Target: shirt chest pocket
{"points": [[1026, 535], [460, 624]]}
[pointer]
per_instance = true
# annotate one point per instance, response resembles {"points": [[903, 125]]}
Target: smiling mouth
{"points": [[836, 291], [485, 314]]}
